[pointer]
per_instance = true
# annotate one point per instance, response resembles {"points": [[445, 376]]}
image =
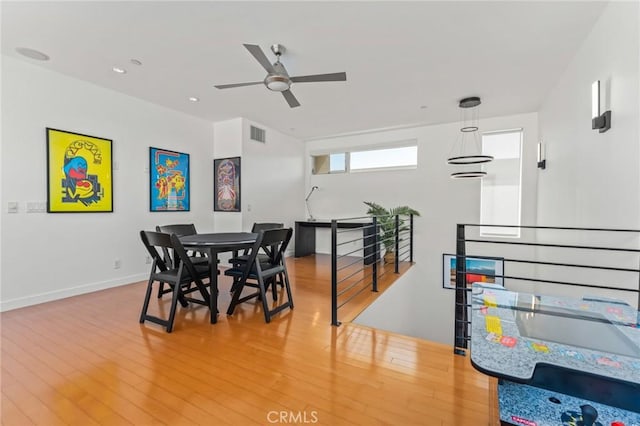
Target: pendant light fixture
{"points": [[469, 155]]}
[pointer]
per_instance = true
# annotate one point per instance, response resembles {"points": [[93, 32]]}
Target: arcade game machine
{"points": [[559, 360]]}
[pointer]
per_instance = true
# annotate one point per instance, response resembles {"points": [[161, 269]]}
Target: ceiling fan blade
{"points": [[336, 76], [229, 86], [291, 100], [257, 53]]}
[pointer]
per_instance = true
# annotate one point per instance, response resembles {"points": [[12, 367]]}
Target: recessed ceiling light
{"points": [[119, 70], [33, 54], [193, 99], [136, 62]]}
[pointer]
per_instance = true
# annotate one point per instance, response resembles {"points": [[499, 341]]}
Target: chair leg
{"points": [[236, 289], [288, 289], [279, 280], [265, 306], [174, 304], [273, 282], [145, 305], [160, 290], [288, 304], [183, 301], [234, 285]]}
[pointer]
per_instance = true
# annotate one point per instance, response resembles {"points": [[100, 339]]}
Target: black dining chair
{"points": [[181, 230], [178, 278], [260, 275], [265, 254]]}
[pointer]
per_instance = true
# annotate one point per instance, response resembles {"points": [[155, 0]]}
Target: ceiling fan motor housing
{"points": [[279, 80]]}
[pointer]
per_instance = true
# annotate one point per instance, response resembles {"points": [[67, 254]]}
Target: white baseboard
{"points": [[21, 302]]}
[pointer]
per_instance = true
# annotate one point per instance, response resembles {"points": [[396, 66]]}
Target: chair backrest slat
{"points": [[151, 241], [277, 239], [257, 227], [275, 236], [181, 253], [264, 226], [181, 230], [286, 238]]}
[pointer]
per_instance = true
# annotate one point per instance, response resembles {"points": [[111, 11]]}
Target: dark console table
{"points": [[305, 237]]}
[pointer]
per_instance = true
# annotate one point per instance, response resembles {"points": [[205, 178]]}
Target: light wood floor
{"points": [[86, 360]]}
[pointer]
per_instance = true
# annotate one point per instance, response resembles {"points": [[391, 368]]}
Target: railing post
{"points": [[396, 267], [411, 238], [460, 328], [376, 255], [334, 273]]}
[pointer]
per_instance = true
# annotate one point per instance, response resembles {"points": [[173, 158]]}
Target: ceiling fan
{"points": [[277, 78]]}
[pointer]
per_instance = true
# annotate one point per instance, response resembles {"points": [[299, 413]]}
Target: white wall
{"points": [[592, 178], [49, 256], [273, 178], [228, 143], [2, 203], [442, 201]]}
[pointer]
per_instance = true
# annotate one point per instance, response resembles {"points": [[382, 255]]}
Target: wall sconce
{"points": [[542, 162], [600, 122]]}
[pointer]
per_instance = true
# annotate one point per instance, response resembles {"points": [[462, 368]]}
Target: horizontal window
{"points": [[330, 163], [383, 158], [366, 160]]}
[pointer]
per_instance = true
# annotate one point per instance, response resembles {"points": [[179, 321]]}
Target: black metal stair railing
{"points": [[356, 270]]}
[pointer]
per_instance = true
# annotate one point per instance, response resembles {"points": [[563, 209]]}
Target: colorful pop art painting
{"points": [[169, 180], [479, 270], [79, 173], [226, 184]]}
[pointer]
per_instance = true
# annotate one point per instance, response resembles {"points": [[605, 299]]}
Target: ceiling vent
{"points": [[258, 134]]}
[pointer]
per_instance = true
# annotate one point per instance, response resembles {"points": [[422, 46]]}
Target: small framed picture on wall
{"points": [[226, 184], [479, 269]]}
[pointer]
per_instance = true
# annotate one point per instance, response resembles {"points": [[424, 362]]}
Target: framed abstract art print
{"points": [[79, 173], [169, 181], [226, 184]]}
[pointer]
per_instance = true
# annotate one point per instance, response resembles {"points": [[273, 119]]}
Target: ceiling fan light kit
{"points": [[277, 79], [470, 118], [277, 83]]}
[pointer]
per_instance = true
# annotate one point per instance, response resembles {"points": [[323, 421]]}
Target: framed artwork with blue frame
{"points": [[169, 181], [79, 173], [479, 269]]}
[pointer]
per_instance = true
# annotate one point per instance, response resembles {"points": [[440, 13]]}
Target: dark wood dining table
{"points": [[212, 244]]}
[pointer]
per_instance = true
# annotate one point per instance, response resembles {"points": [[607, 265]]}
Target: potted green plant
{"points": [[386, 219]]}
